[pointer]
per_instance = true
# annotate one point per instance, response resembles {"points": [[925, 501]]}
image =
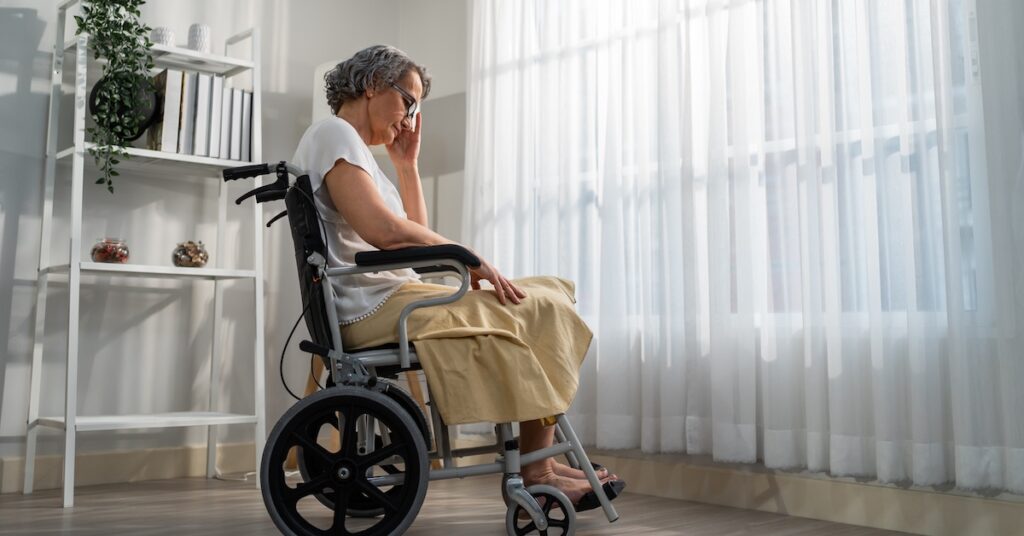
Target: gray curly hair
{"points": [[374, 68]]}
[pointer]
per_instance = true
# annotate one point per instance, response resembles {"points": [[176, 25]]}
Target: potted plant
{"points": [[123, 102]]}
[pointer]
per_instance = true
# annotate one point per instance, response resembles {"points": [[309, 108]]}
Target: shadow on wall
{"points": [[22, 138]]}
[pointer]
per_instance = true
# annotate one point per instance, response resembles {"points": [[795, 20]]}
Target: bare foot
{"points": [[568, 472], [573, 488]]}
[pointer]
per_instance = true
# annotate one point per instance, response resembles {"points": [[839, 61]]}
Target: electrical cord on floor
{"points": [[243, 478]]}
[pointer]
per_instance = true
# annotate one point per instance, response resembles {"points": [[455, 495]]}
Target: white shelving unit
{"points": [[151, 163]]}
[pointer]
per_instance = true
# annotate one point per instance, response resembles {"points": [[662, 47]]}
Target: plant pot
{"points": [[149, 109]]}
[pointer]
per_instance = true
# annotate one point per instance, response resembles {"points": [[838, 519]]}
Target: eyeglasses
{"points": [[412, 107]]}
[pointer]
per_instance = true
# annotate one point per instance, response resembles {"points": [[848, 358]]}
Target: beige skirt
{"points": [[485, 361]]}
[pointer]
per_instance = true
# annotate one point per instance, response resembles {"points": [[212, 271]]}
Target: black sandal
{"points": [[589, 501], [598, 467]]}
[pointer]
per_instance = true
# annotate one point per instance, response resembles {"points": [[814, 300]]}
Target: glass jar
{"points": [[110, 250], [190, 255]]}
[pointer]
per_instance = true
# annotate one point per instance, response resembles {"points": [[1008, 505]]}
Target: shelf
{"points": [[75, 69], [178, 419], [160, 163], [186, 58], [143, 270]]}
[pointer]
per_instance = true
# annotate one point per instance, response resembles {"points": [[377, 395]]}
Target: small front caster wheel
{"points": [[558, 511]]}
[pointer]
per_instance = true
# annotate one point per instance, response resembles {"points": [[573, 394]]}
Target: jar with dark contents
{"points": [[112, 250], [190, 255]]}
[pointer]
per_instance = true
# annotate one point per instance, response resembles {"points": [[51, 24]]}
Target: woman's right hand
{"points": [[503, 288]]}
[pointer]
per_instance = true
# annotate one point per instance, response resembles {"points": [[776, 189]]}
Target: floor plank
{"points": [[455, 507]]}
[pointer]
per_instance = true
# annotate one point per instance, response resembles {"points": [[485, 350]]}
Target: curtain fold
{"points": [[778, 217]]}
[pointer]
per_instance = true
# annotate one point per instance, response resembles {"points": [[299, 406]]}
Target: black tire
{"points": [[405, 400], [556, 507], [347, 477], [557, 510]]}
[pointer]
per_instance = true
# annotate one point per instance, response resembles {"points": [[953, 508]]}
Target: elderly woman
{"points": [[509, 353]]}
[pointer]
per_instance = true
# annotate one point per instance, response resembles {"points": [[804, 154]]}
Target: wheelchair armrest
{"points": [[413, 254], [429, 271]]}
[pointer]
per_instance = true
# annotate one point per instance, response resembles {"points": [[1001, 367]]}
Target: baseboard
{"points": [[128, 466], [840, 500]]}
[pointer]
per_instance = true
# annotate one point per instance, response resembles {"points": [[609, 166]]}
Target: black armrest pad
{"points": [[431, 269], [426, 253]]}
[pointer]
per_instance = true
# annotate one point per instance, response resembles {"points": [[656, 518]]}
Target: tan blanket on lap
{"points": [[485, 361]]}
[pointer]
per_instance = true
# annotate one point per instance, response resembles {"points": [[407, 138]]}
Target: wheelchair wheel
{"points": [[359, 504], [349, 482], [557, 509]]}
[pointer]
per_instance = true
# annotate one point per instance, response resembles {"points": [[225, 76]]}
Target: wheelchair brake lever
{"points": [[280, 215], [281, 184], [311, 347], [266, 189], [365, 377]]}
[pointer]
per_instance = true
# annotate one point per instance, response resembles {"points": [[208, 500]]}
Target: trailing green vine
{"points": [[119, 37]]}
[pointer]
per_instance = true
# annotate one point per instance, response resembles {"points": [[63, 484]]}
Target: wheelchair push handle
{"points": [[245, 172], [268, 192]]}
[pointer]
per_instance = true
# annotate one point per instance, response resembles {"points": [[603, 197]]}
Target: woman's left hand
{"points": [[404, 150], [503, 288]]}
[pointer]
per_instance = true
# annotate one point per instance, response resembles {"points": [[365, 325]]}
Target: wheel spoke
{"points": [[341, 496], [380, 455], [348, 435], [527, 529], [305, 488], [312, 446], [548, 504], [375, 493]]}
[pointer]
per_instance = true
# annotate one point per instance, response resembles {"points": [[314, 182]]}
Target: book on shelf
{"points": [[247, 126], [225, 123], [201, 137], [202, 116], [216, 100], [236, 124], [186, 131], [163, 136]]}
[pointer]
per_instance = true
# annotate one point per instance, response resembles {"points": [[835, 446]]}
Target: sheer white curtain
{"points": [[777, 215]]}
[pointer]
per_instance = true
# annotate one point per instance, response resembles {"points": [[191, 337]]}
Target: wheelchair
{"points": [[363, 446]]}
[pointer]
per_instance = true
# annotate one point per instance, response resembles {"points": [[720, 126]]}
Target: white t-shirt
{"points": [[321, 147]]}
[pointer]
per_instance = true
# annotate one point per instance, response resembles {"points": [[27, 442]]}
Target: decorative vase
{"points": [[162, 35], [199, 38], [113, 250], [146, 96], [190, 255]]}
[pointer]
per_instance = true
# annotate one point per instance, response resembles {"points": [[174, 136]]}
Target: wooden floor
{"points": [[456, 507]]}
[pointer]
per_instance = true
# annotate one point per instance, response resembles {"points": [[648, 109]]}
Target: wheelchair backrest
{"points": [[307, 237]]}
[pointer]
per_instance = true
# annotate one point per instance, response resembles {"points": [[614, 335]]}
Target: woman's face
{"points": [[390, 108]]}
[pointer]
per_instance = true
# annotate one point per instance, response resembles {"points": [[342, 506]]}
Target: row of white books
{"points": [[202, 117]]}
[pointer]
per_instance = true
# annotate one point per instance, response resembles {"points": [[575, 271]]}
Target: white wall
{"points": [[144, 344]]}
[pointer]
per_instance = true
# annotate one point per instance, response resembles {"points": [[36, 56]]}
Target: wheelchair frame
{"points": [[359, 367]]}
